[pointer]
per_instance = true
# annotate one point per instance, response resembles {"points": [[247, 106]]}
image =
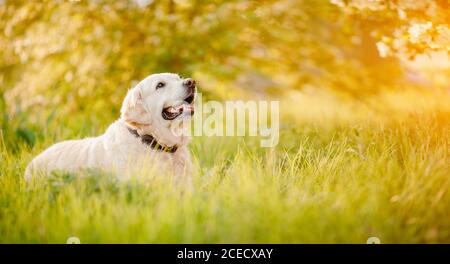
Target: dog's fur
{"points": [[121, 151]]}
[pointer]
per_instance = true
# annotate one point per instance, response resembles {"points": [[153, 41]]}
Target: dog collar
{"points": [[151, 141]]}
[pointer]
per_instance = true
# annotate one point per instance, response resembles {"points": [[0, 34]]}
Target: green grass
{"points": [[335, 183]]}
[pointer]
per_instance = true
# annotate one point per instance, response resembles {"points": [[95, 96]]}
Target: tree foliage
{"points": [[85, 54]]}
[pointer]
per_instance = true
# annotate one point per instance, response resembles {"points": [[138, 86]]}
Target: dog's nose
{"points": [[189, 83]]}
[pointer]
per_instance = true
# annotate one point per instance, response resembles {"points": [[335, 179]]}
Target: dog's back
{"points": [[68, 156]]}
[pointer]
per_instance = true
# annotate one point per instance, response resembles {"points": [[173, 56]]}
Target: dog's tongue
{"points": [[187, 107], [181, 108]]}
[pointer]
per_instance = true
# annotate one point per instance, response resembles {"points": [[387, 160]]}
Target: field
{"points": [[336, 177], [364, 137]]}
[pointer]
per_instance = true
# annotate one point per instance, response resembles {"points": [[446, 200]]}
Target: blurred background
{"points": [[364, 93], [73, 61]]}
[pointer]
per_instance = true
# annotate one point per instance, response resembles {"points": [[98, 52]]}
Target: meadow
{"points": [[364, 147], [338, 179]]}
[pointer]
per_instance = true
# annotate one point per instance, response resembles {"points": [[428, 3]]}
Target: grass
{"points": [[325, 182]]}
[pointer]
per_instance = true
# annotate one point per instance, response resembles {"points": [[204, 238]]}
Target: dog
{"points": [[148, 132]]}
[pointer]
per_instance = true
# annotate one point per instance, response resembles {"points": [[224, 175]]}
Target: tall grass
{"points": [[325, 182]]}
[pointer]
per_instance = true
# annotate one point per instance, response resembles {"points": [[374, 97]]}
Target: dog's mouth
{"points": [[174, 111]]}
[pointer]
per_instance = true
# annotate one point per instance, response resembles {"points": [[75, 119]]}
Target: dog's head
{"points": [[158, 105]]}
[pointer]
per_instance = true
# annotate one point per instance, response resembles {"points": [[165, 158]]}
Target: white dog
{"points": [[149, 132]]}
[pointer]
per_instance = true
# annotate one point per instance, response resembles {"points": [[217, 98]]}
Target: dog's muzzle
{"points": [[185, 107]]}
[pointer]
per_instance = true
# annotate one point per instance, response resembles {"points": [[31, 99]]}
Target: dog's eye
{"points": [[160, 85]]}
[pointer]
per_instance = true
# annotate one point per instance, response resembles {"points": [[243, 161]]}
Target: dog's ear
{"points": [[133, 111]]}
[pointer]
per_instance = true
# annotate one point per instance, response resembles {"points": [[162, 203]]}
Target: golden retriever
{"points": [[148, 132]]}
